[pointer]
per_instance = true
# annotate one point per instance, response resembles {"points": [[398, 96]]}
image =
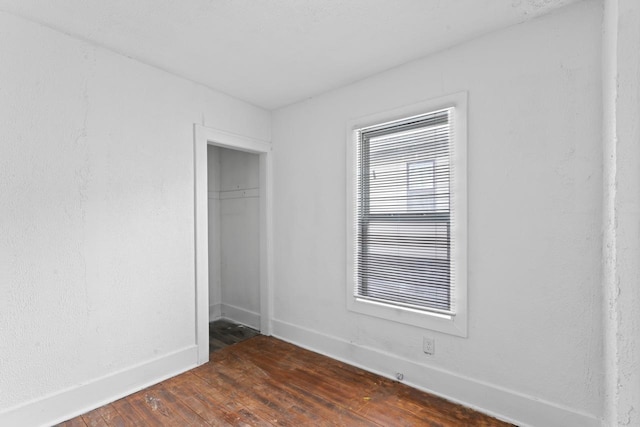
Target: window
{"points": [[421, 185], [408, 217]]}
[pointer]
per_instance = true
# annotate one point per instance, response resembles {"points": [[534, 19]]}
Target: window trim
{"points": [[449, 324]]}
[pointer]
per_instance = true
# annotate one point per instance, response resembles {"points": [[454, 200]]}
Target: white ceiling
{"points": [[275, 52]]}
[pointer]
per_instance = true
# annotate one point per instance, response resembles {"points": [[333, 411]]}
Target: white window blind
{"points": [[403, 217]]}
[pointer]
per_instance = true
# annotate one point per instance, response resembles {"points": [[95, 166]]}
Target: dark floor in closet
{"points": [[223, 333]]}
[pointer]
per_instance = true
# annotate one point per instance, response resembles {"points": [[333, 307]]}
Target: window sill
{"points": [[449, 324]]}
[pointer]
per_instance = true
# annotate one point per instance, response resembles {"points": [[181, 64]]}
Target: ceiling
{"points": [[272, 53]]}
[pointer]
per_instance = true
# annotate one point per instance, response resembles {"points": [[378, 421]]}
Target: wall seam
{"points": [[609, 255]]}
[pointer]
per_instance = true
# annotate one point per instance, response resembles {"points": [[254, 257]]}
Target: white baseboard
{"points": [[78, 400], [215, 312], [496, 401], [240, 315]]}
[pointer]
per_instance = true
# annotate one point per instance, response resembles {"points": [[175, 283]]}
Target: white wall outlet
{"points": [[429, 345]]}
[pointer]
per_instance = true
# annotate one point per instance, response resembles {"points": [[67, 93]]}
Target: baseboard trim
{"points": [[496, 401], [78, 400], [240, 315]]}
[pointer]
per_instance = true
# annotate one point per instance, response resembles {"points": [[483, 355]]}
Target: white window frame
{"points": [[450, 324]]}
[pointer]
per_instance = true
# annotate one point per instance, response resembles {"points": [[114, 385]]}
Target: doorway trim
{"points": [[204, 136]]}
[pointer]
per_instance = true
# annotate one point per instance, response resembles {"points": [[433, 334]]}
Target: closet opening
{"points": [[233, 184], [233, 229]]}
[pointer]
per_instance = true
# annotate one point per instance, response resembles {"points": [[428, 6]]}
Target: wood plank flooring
{"points": [[263, 381], [223, 333]]}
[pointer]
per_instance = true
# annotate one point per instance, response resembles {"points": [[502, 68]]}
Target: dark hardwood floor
{"points": [[263, 381], [223, 333]]}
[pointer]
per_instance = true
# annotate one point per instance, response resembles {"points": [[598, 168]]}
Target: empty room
{"points": [[320, 212]]}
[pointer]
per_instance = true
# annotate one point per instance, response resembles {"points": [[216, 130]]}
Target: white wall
{"points": [[97, 220], [240, 236], [534, 346]]}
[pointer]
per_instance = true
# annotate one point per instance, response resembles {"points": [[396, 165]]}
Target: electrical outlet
{"points": [[429, 345]]}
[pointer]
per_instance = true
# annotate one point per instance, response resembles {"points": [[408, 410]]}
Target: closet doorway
{"points": [[233, 179], [232, 232]]}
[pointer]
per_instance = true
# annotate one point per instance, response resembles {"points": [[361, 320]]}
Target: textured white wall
{"points": [[97, 221], [240, 236], [535, 191]]}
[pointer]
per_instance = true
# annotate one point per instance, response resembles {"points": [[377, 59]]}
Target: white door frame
{"points": [[204, 136]]}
